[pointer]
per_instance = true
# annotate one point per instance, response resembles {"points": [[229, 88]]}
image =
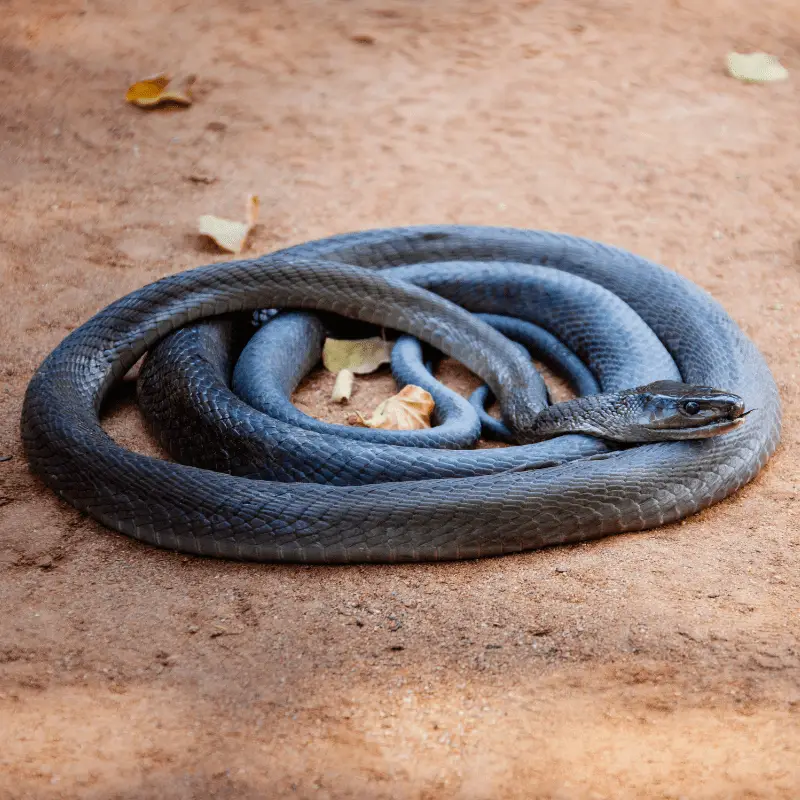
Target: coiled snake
{"points": [[322, 498]]}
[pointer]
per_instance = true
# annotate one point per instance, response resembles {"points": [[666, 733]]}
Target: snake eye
{"points": [[691, 408]]}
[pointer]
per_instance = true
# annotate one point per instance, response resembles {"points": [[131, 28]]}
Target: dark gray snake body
{"points": [[489, 509]]}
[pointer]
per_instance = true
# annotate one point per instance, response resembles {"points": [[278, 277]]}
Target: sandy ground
{"points": [[664, 664]]}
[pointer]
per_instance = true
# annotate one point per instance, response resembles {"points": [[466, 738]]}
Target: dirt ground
{"points": [[664, 664]]}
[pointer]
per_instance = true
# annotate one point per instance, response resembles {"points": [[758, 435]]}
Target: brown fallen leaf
{"points": [[157, 91], [409, 410], [229, 234]]}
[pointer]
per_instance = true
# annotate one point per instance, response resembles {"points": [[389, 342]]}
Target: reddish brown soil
{"points": [[664, 664]]}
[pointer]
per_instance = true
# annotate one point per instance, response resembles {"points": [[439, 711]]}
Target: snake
{"points": [[686, 414]]}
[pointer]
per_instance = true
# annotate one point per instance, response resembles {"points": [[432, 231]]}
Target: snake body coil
{"points": [[433, 504]]}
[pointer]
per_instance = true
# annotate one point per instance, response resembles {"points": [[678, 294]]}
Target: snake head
{"points": [[658, 412], [670, 410]]}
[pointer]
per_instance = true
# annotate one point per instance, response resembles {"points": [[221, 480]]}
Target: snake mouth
{"points": [[712, 428]]}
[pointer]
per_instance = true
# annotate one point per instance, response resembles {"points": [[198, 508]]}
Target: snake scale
{"points": [[411, 504]]}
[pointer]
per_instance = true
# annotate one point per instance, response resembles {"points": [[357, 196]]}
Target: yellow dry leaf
{"points": [[756, 67], [408, 410], [156, 91], [349, 357], [360, 356], [228, 234]]}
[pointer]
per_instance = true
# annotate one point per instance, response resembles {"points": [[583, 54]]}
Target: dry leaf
{"points": [[348, 357], [156, 91], [358, 355], [408, 410], [228, 234], [756, 67], [343, 387]]}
